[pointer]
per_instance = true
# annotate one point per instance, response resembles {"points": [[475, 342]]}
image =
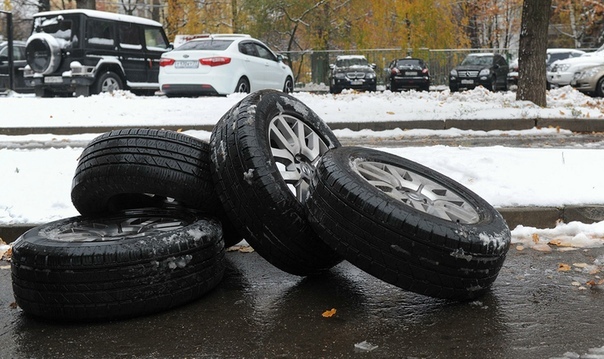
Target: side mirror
{"points": [[332, 66], [280, 58], [374, 66]]}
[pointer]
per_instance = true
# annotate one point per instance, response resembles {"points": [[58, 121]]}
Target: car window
{"points": [[99, 33], [60, 29], [265, 53], [154, 39], [129, 35], [478, 60], [217, 45], [352, 61], [248, 48], [409, 62]]}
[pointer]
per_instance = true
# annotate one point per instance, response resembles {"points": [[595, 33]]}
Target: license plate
{"points": [[410, 73], [357, 82], [467, 82], [186, 64], [53, 80]]}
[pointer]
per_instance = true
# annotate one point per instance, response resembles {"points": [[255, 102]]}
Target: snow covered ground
{"points": [[35, 181]]}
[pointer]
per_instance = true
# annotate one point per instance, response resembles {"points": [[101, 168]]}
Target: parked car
{"points": [[563, 71], [88, 52], [223, 64], [590, 80], [552, 55], [407, 73], [19, 63], [352, 72], [480, 69]]}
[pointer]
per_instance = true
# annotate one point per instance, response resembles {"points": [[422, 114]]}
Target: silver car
{"points": [[590, 80]]}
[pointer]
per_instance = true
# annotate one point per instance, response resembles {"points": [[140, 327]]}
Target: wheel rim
{"points": [[242, 87], [296, 149], [103, 229], [289, 86], [417, 191], [109, 85]]}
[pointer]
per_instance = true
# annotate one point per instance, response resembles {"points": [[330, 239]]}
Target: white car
{"points": [[221, 65], [563, 71]]}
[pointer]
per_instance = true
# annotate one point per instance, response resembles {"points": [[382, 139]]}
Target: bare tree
{"points": [[532, 51]]}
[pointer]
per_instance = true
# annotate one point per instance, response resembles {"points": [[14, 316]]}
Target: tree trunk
{"points": [[533, 47]]}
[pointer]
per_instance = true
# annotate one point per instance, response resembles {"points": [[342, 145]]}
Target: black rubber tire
{"points": [[132, 263], [124, 168], [288, 87], [107, 82], [253, 192], [399, 244], [243, 86], [135, 168]]}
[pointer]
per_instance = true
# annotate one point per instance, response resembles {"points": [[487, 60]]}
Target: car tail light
{"points": [[395, 71], [163, 62], [215, 61], [425, 71]]}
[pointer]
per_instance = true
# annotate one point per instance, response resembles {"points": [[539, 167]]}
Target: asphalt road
{"points": [[534, 310]]}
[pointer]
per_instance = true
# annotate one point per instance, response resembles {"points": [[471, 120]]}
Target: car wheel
{"points": [[288, 87], [107, 82], [600, 88], [243, 85], [263, 154], [128, 264], [453, 88], [43, 53], [407, 224]]}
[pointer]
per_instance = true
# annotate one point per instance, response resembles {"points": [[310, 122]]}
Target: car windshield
{"points": [[352, 61], [209, 44], [408, 62], [478, 60]]}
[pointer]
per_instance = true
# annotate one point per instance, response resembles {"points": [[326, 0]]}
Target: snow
{"points": [[35, 184]]}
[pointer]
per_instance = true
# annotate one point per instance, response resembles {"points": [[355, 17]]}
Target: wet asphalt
{"points": [[534, 310], [542, 305]]}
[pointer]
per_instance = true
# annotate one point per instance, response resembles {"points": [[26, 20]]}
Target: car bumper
{"points": [[220, 84], [364, 84], [559, 79], [59, 83], [469, 83], [410, 82]]}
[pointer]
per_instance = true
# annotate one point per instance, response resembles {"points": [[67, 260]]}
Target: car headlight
{"points": [[453, 73], [484, 72], [339, 75], [561, 67], [587, 73], [370, 75]]}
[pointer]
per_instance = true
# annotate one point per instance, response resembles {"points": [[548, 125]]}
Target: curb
{"points": [[575, 125], [538, 217]]}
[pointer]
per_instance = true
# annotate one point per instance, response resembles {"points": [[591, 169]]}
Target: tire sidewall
{"points": [[488, 236]]}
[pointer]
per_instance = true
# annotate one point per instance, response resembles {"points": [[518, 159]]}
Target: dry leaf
{"points": [[563, 267], [13, 305], [535, 238], [519, 248], [580, 265], [390, 112], [329, 313]]}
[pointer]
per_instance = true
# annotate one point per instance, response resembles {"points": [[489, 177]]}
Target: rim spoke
{"points": [[417, 191]]}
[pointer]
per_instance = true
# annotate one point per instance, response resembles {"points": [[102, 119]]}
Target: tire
{"points": [[128, 264], [43, 53], [365, 205], [263, 185], [288, 87], [243, 85], [133, 168], [600, 88], [107, 82]]}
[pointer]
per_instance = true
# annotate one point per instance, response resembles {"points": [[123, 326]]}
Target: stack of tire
{"points": [[158, 208]]}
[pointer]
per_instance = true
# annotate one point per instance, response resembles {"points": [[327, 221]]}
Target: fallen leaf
{"points": [[13, 305], [580, 265], [535, 238], [390, 112], [519, 248], [563, 267], [329, 313]]}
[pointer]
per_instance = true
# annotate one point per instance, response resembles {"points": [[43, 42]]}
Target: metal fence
{"points": [[313, 66]]}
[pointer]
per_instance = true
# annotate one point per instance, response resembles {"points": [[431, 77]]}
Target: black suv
{"points": [[85, 52], [352, 72], [481, 69], [18, 65], [407, 73]]}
